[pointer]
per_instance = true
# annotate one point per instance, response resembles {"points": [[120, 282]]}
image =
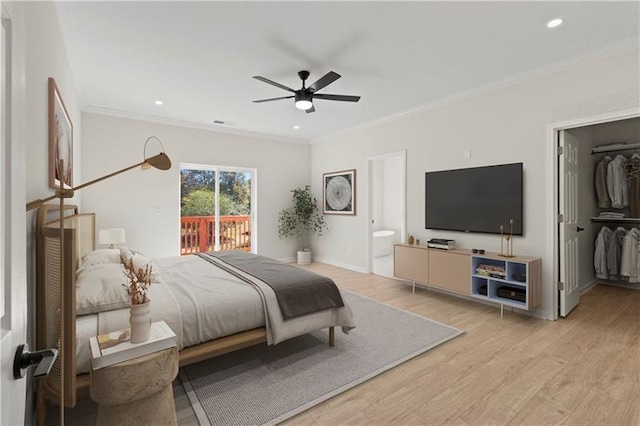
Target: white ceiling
{"points": [[199, 57]]}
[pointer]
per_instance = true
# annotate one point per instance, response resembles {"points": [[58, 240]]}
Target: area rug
{"points": [[269, 384]]}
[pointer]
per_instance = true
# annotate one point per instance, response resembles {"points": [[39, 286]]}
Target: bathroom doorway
{"points": [[387, 205]]}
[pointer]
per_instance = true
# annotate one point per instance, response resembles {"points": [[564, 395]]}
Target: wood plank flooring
{"points": [[582, 370]]}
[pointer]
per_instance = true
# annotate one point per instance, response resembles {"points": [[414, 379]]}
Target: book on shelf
{"points": [[112, 348]]}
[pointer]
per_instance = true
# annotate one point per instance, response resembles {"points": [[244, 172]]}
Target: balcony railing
{"points": [[197, 233]]}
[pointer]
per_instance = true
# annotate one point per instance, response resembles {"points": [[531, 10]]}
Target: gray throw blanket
{"points": [[299, 292]]}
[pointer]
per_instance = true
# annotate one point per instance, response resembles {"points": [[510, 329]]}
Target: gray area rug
{"points": [[267, 385]]}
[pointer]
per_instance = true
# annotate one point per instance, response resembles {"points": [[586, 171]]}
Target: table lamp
{"points": [[111, 236]]}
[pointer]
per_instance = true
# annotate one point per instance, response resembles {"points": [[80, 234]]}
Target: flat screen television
{"points": [[477, 199]]}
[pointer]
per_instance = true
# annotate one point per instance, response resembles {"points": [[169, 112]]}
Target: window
{"points": [[217, 208]]}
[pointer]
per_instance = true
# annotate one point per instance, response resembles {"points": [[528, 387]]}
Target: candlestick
{"points": [[511, 237]]}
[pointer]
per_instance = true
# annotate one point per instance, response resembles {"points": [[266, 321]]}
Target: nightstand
{"points": [[137, 391]]}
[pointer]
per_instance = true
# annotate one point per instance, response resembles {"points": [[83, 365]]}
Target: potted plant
{"points": [[301, 220]]}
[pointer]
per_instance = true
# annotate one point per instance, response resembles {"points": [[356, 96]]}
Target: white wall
{"points": [[147, 204], [392, 198], [377, 202], [387, 195], [45, 57], [504, 126]]}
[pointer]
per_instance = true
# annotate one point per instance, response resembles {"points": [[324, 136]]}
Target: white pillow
{"points": [[99, 288], [99, 257], [102, 256], [140, 262]]}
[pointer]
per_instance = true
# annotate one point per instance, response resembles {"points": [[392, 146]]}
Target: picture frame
{"points": [[60, 139], [339, 192]]}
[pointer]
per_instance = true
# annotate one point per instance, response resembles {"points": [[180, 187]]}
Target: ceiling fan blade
{"points": [[324, 81], [345, 98], [273, 83], [312, 109], [273, 99]]}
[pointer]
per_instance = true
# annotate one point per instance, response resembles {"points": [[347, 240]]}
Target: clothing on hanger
{"points": [[617, 182], [602, 193], [614, 252], [630, 259], [600, 252], [633, 179]]}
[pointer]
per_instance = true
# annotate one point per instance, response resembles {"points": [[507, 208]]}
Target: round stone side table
{"points": [[138, 391]]}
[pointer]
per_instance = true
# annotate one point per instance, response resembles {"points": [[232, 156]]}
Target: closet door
{"points": [[13, 220], [568, 208]]}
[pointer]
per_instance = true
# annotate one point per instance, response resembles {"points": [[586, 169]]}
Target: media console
{"points": [[514, 281]]}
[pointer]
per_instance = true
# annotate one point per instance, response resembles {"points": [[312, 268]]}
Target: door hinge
{"points": [[560, 218], [560, 150], [560, 285]]}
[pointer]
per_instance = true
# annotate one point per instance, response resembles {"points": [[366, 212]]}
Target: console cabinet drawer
{"points": [[450, 271], [411, 264]]}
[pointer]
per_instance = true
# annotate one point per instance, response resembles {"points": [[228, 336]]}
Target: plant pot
{"points": [[304, 257], [140, 321]]}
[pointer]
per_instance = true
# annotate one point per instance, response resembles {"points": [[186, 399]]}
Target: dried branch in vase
{"points": [[138, 281]]}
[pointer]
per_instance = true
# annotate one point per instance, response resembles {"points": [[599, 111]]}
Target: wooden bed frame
{"points": [[79, 234]]}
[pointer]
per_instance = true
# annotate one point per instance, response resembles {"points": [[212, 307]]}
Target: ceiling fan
{"points": [[304, 96]]}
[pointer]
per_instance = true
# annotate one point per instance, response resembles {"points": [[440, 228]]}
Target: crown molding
{"points": [[613, 49], [93, 109]]}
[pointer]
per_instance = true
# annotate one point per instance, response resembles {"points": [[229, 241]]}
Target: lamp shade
{"points": [[111, 236]]}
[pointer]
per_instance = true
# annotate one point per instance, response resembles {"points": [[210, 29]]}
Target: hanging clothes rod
{"points": [[615, 147]]}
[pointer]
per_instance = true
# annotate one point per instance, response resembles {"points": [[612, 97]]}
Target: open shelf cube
{"points": [[507, 281]]}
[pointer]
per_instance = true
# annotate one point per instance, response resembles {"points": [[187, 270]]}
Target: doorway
{"points": [[577, 207], [387, 209], [217, 208]]}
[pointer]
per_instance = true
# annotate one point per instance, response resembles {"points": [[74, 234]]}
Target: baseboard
{"points": [[588, 286], [621, 284], [340, 264]]}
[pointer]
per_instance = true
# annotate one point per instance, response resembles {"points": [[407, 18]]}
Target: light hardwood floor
{"points": [[582, 370]]}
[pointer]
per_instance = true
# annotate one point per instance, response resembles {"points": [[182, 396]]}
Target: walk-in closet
{"points": [[609, 203]]}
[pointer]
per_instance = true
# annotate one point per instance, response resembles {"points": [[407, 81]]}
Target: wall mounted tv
{"points": [[477, 199]]}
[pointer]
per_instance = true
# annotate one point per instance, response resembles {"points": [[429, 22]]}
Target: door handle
{"points": [[580, 229], [43, 360]]}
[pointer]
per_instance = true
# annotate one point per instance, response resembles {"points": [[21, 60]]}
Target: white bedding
{"points": [[201, 302]]}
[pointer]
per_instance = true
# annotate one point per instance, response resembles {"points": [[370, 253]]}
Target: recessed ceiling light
{"points": [[554, 23], [159, 103], [296, 127]]}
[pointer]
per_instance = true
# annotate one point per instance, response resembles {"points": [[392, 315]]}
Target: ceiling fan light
{"points": [[303, 104], [303, 100]]}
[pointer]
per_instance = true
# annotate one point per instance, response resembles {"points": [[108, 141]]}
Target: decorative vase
{"points": [[140, 321], [304, 257]]}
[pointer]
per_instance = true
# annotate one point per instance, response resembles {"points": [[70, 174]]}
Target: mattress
{"points": [[198, 301]]}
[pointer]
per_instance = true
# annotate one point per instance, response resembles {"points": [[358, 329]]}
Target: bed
{"points": [[214, 305]]}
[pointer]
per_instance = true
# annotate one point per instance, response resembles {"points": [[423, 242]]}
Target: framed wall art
{"points": [[339, 192], [60, 139]]}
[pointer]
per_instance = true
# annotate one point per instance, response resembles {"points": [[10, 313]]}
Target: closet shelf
{"points": [[617, 147], [616, 220]]}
